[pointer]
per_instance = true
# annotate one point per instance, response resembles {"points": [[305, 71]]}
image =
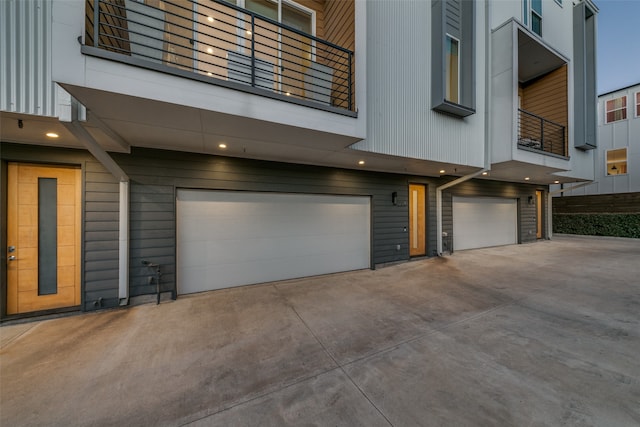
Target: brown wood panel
{"points": [[340, 30], [12, 235], [597, 203], [22, 232], [417, 220], [547, 96], [539, 218]]}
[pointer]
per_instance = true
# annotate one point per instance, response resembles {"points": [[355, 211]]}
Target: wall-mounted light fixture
{"points": [[530, 200], [394, 198]]}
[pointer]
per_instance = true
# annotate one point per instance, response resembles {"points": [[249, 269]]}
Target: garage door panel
{"points": [[237, 238], [484, 221]]}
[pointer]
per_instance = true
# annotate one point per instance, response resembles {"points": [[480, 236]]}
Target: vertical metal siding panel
{"points": [[401, 122], [26, 58]]}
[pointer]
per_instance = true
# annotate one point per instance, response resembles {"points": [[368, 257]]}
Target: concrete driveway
{"points": [[544, 334]]}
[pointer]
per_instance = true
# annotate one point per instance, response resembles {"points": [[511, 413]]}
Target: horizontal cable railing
{"points": [[222, 41], [541, 134]]}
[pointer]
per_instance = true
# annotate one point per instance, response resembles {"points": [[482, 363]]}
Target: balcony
{"points": [[539, 134], [222, 44]]}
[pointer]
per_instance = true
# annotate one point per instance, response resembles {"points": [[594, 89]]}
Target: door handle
{"points": [[12, 258]]}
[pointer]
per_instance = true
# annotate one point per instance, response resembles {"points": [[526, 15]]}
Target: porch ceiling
{"points": [[518, 171], [153, 124], [539, 59]]}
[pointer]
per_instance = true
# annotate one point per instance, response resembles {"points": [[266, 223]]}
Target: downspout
{"points": [[550, 204], [77, 129], [487, 131]]}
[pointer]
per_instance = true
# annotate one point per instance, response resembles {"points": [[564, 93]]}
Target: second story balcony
{"points": [[530, 101], [539, 134], [272, 49]]}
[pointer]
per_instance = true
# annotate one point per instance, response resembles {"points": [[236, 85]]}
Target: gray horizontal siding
{"points": [[100, 219], [527, 225], [157, 174], [101, 232]]}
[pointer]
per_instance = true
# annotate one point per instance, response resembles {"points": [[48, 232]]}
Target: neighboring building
{"points": [[264, 140], [617, 159]]}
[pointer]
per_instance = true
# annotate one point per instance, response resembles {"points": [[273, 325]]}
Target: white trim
{"points": [[606, 111], [528, 10], [457, 101], [636, 104], [626, 161]]}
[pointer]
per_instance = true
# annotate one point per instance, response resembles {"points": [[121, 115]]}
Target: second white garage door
{"points": [[227, 238], [480, 222]]}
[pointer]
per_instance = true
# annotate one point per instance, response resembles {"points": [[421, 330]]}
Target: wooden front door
{"points": [[43, 237], [539, 214], [417, 220]]}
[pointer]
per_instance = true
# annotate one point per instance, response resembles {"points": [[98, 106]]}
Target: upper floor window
{"points": [[637, 104], [453, 58], [616, 109], [452, 69], [532, 15], [617, 161]]}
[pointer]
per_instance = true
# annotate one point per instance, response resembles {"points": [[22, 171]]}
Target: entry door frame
{"points": [[78, 271], [417, 219], [539, 214]]}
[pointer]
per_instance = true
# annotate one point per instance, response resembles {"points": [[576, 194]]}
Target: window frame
{"points": [[637, 95], [607, 111], [608, 162], [458, 63], [529, 11]]}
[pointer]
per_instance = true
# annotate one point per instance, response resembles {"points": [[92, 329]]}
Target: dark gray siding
{"points": [[155, 175], [100, 220], [527, 225], [101, 231]]}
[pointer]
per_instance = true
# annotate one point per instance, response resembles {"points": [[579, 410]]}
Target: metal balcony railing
{"points": [[221, 41], [540, 134]]}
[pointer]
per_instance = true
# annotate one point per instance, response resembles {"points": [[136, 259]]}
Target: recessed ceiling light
{"points": [[527, 178], [556, 182], [210, 18], [288, 93], [442, 170], [361, 162], [248, 32], [485, 173], [223, 146], [52, 135], [209, 50]]}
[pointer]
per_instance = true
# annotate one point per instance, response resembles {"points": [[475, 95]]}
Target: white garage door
{"points": [[480, 222], [227, 238]]}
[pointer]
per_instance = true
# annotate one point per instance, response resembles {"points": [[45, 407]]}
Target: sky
{"points": [[618, 52]]}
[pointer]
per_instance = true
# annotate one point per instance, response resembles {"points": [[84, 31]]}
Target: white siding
{"points": [[71, 67], [25, 57], [400, 121], [620, 134]]}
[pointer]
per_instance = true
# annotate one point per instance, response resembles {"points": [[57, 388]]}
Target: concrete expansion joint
{"points": [[17, 336], [340, 366]]}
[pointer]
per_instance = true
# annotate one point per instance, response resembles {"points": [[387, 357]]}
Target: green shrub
{"points": [[615, 225]]}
